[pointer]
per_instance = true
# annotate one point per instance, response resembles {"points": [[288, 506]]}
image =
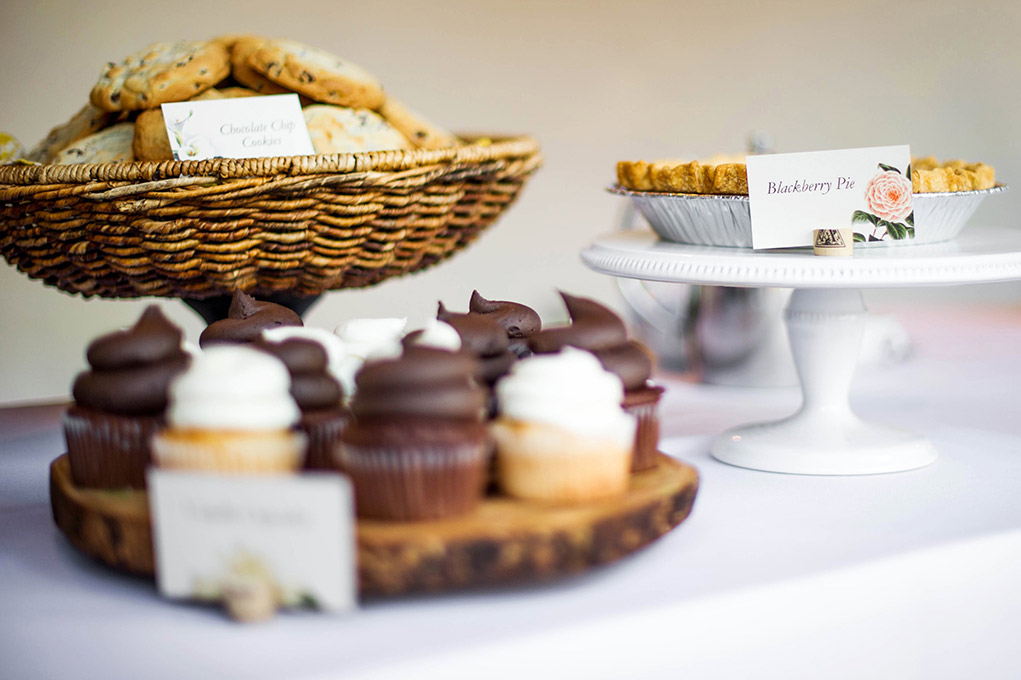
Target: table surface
{"points": [[907, 575], [981, 254]]}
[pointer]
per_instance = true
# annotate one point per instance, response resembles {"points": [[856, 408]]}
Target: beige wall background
{"points": [[594, 81]]}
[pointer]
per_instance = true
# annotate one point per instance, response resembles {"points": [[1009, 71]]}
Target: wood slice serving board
{"points": [[504, 541]]}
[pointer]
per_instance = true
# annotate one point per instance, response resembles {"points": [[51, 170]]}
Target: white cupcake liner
{"points": [[232, 452], [544, 463]]}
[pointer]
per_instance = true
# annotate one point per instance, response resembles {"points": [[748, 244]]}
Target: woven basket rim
{"points": [[496, 147]]}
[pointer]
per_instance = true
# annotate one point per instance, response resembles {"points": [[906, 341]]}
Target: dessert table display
{"points": [[825, 319], [773, 576]]}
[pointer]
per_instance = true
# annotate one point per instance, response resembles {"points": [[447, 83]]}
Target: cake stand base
{"points": [[802, 445], [824, 437]]}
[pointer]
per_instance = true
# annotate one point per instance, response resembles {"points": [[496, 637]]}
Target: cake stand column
{"points": [[824, 437]]}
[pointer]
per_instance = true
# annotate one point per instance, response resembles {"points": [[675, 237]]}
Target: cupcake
{"points": [[231, 411], [436, 334], [246, 319], [485, 339], [417, 446], [315, 390], [597, 329], [517, 320], [336, 351], [365, 339], [561, 434], [121, 401]]}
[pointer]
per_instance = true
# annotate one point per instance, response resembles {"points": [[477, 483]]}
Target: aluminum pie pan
{"points": [[725, 220]]}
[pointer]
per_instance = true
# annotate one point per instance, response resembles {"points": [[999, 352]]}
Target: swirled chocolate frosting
{"points": [[484, 338], [597, 329], [421, 383], [131, 369], [312, 386], [517, 320], [246, 319], [520, 322]]}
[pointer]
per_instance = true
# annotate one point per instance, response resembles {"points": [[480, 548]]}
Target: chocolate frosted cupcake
{"points": [[121, 401], [517, 320], [417, 446], [484, 338], [246, 319], [597, 329], [317, 393]]}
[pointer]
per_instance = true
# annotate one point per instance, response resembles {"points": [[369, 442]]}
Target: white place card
{"points": [[868, 190], [243, 127], [296, 533]]}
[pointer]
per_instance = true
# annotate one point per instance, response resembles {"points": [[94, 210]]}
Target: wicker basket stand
{"points": [[299, 225]]}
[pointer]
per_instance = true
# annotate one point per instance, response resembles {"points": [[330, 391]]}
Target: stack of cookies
{"points": [[345, 107]]}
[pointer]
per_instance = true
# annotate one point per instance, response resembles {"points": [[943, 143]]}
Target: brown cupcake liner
{"points": [[644, 405], [415, 482], [323, 432], [109, 451]]}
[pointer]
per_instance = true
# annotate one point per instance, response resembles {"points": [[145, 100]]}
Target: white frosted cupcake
{"points": [[366, 339], [561, 434], [231, 411]]}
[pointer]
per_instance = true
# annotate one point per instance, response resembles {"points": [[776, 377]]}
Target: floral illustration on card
{"points": [[890, 212], [250, 583], [189, 147]]}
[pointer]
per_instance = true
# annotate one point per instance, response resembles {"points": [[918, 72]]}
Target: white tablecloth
{"points": [[908, 575]]}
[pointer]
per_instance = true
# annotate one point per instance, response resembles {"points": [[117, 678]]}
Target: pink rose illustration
{"points": [[888, 195]]}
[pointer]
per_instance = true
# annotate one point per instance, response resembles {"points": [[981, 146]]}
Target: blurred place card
{"points": [[215, 532], [243, 127], [868, 190]]}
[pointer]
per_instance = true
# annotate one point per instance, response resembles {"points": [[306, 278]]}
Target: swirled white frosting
{"points": [[439, 335], [366, 339], [233, 387], [570, 390]]}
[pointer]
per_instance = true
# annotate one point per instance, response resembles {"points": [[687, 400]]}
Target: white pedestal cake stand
{"points": [[825, 319]]}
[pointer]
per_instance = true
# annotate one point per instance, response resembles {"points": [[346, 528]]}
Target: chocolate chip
{"points": [[306, 77], [116, 96]]}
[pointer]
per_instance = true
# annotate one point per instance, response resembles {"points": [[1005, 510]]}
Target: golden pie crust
{"points": [[726, 175], [929, 176], [717, 175]]}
